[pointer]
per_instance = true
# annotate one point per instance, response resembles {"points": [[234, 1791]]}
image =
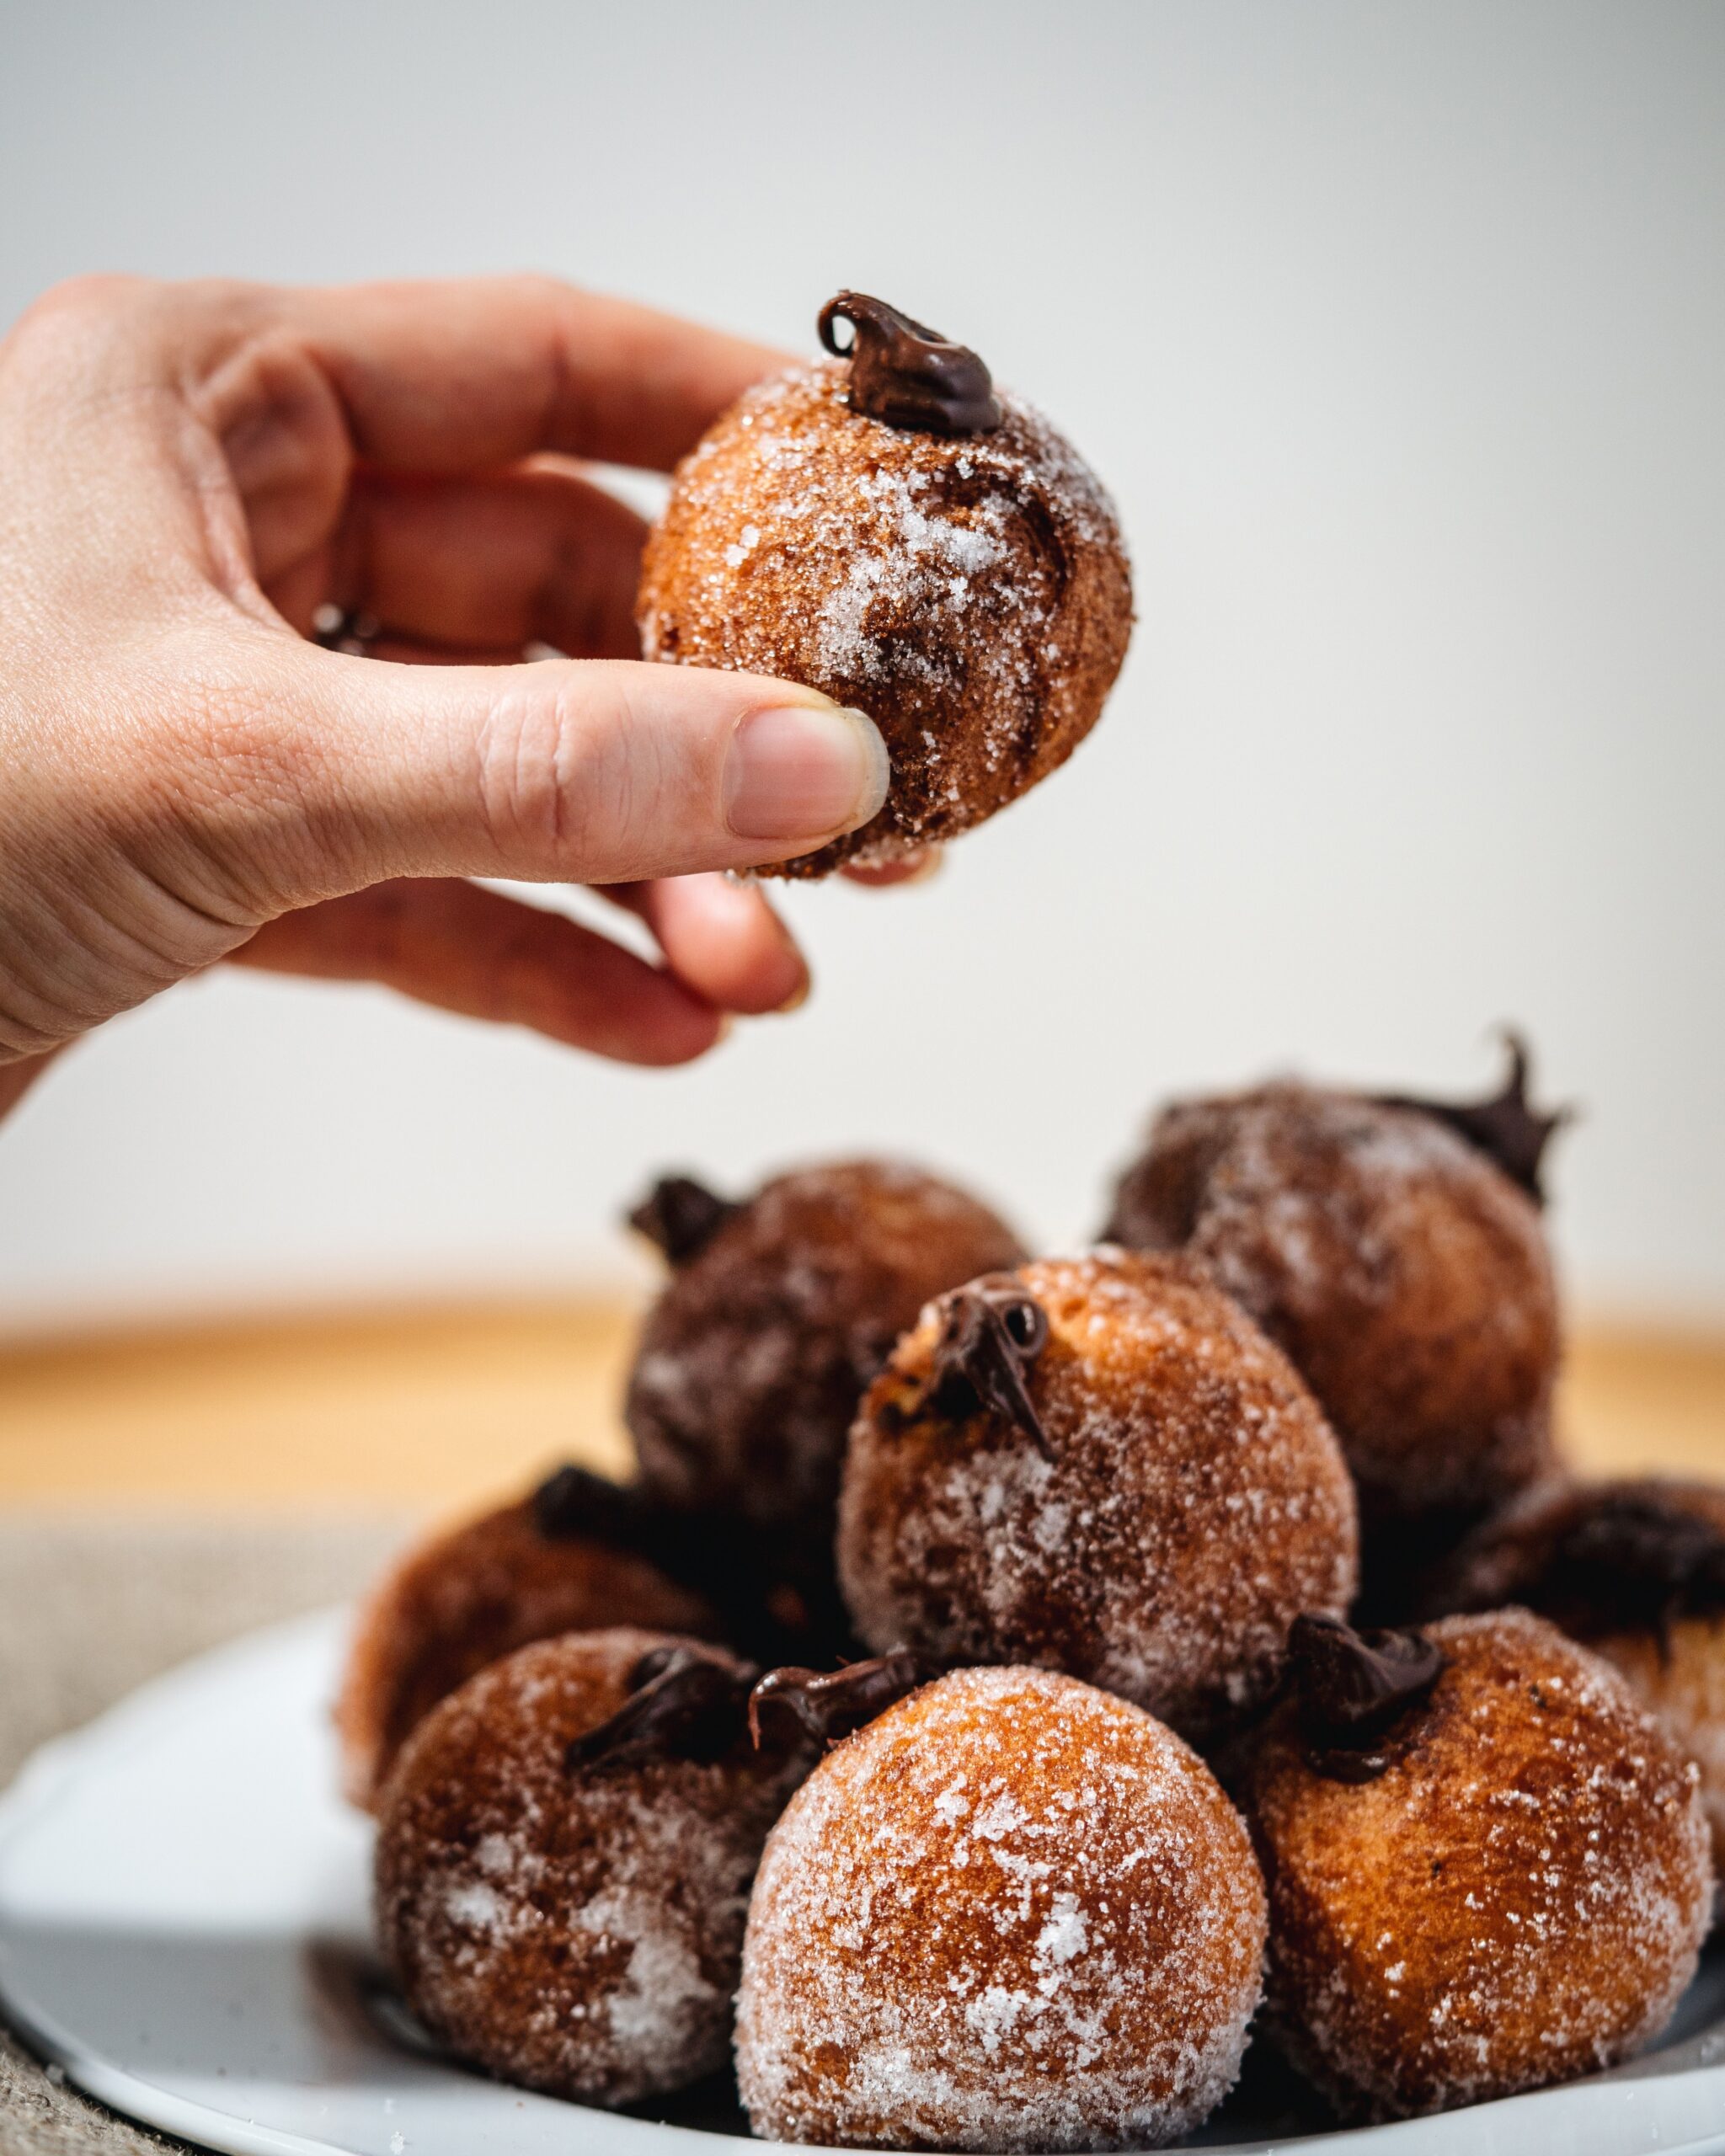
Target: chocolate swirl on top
{"points": [[681, 1216], [1353, 1691], [685, 1703], [1505, 1127], [693, 1703], [1629, 1562], [906, 375], [991, 1332], [831, 1703]]}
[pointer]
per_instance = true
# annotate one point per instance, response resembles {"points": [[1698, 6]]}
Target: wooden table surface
{"points": [[438, 1406]]}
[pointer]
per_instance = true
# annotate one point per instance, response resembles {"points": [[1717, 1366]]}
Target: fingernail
{"points": [[803, 772], [795, 1000]]}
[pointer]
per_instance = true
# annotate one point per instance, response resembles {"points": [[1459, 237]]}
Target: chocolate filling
{"points": [[1353, 1692], [906, 375], [1505, 1127], [1629, 1563], [681, 1216], [829, 1704], [685, 1703], [991, 1334]]}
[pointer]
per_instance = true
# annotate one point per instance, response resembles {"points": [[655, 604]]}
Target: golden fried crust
{"points": [[1011, 1913], [574, 1932], [1681, 1680], [1403, 1272], [1194, 1504], [753, 1359], [466, 1597], [1520, 1898], [972, 595]]}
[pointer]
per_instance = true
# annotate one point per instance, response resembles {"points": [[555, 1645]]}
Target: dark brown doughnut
{"points": [[778, 1312], [563, 1874], [467, 1596], [1402, 1269]]}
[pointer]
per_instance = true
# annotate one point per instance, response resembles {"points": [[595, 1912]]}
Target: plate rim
{"points": [[53, 1764]]}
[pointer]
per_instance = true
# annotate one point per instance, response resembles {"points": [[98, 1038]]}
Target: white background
{"points": [[1398, 331]]}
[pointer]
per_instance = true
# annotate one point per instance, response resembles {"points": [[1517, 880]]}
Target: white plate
{"points": [[182, 1928]]}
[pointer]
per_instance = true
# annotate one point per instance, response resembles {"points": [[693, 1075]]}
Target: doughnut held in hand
{"points": [[1011, 1913], [1487, 1867], [891, 528], [1102, 1466]]}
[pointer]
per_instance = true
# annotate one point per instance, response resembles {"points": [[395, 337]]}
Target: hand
{"points": [[190, 474]]}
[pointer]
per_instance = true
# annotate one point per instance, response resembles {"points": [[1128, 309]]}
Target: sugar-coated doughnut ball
{"points": [[1102, 1466], [778, 1313], [1635, 1569], [1401, 1268], [1506, 1884], [1012, 1912], [964, 586], [574, 1925], [465, 1597]]}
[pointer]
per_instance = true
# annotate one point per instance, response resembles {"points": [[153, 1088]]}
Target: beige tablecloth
{"points": [[89, 1608]]}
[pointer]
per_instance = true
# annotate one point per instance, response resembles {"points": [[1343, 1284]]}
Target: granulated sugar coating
{"points": [[971, 595], [1011, 1913], [753, 1359], [1519, 1897], [468, 1597], [1680, 1678], [1190, 1503], [576, 1931], [1402, 1270]]}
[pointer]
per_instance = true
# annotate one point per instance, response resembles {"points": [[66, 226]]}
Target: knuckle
{"points": [[104, 311], [524, 754], [84, 314], [561, 778], [72, 318], [98, 295]]}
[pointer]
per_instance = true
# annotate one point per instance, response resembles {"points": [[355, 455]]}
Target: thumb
{"points": [[584, 771]]}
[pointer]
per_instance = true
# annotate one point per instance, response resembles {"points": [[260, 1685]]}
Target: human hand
{"points": [[192, 472]]}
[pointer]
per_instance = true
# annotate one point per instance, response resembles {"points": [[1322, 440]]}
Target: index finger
{"points": [[455, 374]]}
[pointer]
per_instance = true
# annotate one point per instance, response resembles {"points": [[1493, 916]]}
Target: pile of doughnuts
{"points": [[968, 1720]]}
